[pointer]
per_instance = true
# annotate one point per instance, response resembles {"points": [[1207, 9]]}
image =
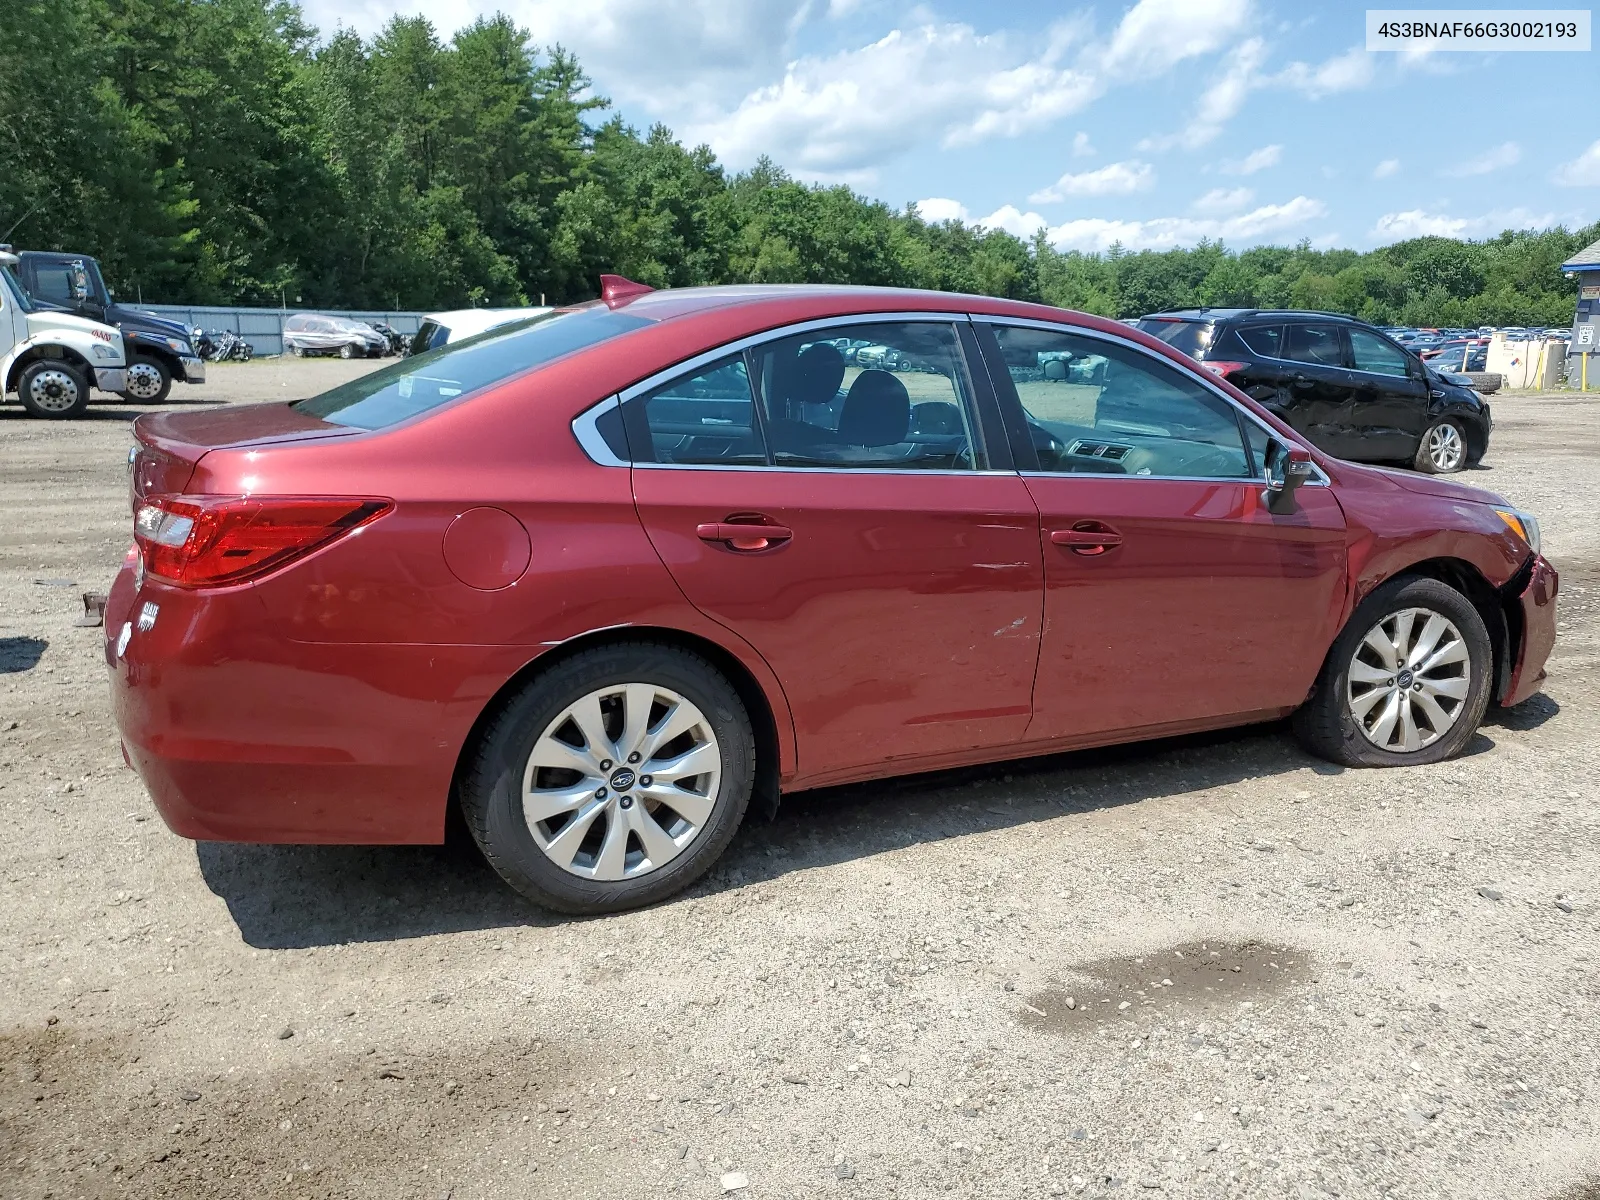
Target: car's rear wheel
{"points": [[1443, 449], [1407, 682], [53, 388], [612, 780]]}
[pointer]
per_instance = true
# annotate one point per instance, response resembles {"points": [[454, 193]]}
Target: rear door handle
{"points": [[1088, 538], [745, 536]]}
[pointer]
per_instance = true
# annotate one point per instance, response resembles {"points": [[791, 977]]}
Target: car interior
{"points": [[1105, 409], [890, 399]]}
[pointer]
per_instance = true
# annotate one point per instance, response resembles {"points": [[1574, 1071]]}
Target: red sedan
{"points": [[611, 573]]}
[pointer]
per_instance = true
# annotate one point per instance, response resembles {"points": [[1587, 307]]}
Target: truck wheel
{"points": [[53, 388], [149, 380]]}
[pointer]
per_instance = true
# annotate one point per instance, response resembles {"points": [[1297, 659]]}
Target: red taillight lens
{"points": [[211, 541], [1224, 369]]}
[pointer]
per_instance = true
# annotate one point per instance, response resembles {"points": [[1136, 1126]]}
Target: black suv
{"points": [[1349, 389]]}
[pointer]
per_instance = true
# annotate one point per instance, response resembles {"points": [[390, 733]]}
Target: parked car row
{"points": [[1348, 388]]}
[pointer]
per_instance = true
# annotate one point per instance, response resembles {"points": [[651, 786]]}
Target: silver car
{"points": [[308, 333]]}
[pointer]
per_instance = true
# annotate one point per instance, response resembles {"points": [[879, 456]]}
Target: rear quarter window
{"points": [[426, 381], [1187, 337]]}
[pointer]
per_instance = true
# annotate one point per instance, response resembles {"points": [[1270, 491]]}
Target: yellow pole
{"points": [[1586, 372]]}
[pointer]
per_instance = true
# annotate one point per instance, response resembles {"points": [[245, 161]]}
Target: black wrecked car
{"points": [[1346, 386]]}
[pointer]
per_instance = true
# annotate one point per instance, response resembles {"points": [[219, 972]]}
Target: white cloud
{"points": [[1007, 216], [1507, 154], [1113, 179], [1343, 73], [1256, 160], [1416, 222], [1081, 147], [839, 116], [1388, 167], [1220, 201], [1227, 93], [1583, 171], [1166, 232]]}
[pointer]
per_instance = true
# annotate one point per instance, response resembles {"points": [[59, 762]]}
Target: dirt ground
{"points": [[1205, 967]]}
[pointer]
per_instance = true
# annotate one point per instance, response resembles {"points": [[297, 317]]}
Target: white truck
{"points": [[51, 359]]}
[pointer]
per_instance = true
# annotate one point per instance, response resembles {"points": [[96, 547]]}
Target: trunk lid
{"points": [[171, 444]]}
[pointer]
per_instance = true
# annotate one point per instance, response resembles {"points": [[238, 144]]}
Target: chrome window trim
{"points": [[586, 428], [1198, 375], [585, 425], [902, 472]]}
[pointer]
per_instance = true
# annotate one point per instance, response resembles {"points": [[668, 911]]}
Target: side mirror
{"points": [[80, 283], [1287, 468]]}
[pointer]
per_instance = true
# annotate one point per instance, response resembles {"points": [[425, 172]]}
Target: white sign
{"points": [[1585, 335]]}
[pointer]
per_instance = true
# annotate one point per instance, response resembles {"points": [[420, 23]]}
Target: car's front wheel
{"points": [[1443, 449], [612, 780], [1407, 681], [347, 350]]}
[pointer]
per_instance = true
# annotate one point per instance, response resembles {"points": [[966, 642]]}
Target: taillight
{"points": [[210, 541], [1224, 369]]}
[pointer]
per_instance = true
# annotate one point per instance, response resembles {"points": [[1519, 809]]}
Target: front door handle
{"points": [[744, 536], [1087, 538]]}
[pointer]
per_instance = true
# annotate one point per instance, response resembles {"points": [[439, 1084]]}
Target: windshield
{"points": [[426, 381], [14, 290], [1189, 337]]}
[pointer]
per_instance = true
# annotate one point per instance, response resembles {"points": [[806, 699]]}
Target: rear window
{"points": [[425, 381], [1188, 337], [429, 335]]}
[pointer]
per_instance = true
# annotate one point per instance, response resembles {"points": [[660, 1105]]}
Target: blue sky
{"points": [[1152, 123]]}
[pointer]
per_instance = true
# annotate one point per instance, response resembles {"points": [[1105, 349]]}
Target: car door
{"points": [[1391, 403], [1321, 387], [1173, 597], [851, 523]]}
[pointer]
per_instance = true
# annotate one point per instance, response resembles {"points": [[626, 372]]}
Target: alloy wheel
{"points": [[1409, 680], [622, 781], [53, 391], [144, 381], [1445, 447]]}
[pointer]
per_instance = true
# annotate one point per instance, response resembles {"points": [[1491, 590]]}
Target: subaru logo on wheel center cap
{"points": [[622, 779], [1405, 679]]}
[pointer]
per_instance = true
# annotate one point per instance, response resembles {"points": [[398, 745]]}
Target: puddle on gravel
{"points": [[1196, 975]]}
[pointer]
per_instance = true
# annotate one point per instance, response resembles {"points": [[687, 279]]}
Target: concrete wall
{"points": [[263, 327]]}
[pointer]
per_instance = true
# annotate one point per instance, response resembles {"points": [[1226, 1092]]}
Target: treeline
{"points": [[224, 151]]}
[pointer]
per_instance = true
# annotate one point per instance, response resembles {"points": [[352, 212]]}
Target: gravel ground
{"points": [[1206, 967]]}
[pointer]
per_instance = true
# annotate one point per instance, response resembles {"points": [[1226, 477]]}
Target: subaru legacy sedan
{"points": [[609, 576]]}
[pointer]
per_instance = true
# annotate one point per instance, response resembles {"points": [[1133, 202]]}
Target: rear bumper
{"points": [[244, 736], [1538, 603]]}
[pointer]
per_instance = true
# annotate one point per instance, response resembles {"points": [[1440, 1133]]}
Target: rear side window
{"points": [[1188, 337], [1319, 344], [426, 381], [703, 418], [1265, 340]]}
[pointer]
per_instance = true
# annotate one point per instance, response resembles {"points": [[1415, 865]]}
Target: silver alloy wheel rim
{"points": [[1409, 680], [53, 390], [144, 381], [621, 782], [1444, 446]]}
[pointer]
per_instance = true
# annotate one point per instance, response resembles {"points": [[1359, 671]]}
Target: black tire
{"points": [[1429, 458], [490, 790], [1325, 724], [347, 350], [146, 363], [53, 389]]}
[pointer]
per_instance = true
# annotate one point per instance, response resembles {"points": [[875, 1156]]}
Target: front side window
{"points": [[894, 395], [1104, 407], [1319, 344], [53, 282], [425, 381], [1369, 352]]}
